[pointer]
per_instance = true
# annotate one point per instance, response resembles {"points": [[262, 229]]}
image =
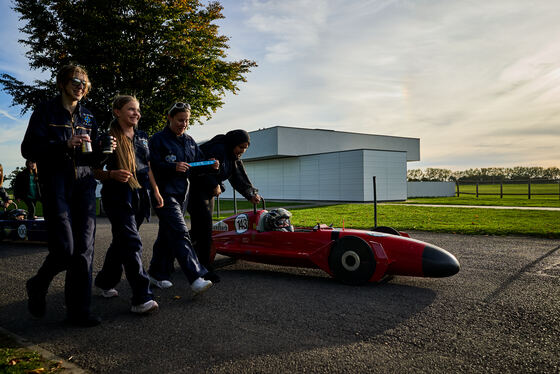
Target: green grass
{"points": [[244, 205], [478, 221], [21, 360], [537, 201], [546, 194]]}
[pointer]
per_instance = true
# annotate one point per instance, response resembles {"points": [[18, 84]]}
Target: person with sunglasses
{"points": [[62, 139], [125, 195], [228, 149], [171, 151]]}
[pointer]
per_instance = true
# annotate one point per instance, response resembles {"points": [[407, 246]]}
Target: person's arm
{"points": [[155, 189], [240, 181]]}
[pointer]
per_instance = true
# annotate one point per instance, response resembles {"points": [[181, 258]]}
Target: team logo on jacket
{"points": [[87, 118], [241, 223], [170, 158]]}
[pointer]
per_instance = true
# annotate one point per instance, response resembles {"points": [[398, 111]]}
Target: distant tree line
{"points": [[484, 174]]}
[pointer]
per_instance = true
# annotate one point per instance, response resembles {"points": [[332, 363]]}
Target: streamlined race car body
{"points": [[351, 256], [15, 226]]}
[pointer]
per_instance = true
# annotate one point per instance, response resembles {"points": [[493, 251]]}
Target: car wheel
{"points": [[351, 260], [386, 230]]}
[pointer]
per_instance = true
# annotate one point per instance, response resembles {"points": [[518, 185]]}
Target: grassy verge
{"points": [[478, 221], [16, 360]]}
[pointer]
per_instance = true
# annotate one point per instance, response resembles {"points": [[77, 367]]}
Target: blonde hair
{"points": [[126, 158]]}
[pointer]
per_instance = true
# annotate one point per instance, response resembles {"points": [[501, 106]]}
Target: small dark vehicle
{"points": [[15, 226]]}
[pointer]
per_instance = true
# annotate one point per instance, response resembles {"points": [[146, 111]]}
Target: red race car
{"points": [[351, 256]]}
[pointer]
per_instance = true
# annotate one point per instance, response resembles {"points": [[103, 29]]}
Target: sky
{"points": [[477, 81]]}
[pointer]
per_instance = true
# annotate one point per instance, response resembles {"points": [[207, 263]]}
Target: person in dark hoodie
{"points": [[227, 149], [62, 139], [26, 187]]}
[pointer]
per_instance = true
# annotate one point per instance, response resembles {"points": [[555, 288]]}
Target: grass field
{"points": [[478, 221], [545, 191], [514, 200]]}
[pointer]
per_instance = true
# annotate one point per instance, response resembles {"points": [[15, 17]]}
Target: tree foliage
{"points": [[485, 174], [162, 51]]}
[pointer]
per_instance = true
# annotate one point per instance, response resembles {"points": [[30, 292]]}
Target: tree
{"points": [[162, 51], [12, 176]]}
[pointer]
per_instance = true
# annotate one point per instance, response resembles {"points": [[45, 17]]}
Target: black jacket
{"points": [[231, 169], [45, 140], [21, 185]]}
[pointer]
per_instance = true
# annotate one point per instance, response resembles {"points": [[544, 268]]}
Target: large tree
{"points": [[159, 50]]}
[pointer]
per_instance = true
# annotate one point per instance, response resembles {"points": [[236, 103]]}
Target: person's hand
{"points": [[217, 191], [159, 199], [120, 175], [216, 165], [182, 167], [256, 198], [77, 140]]}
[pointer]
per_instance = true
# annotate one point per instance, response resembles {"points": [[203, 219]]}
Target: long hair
{"points": [[126, 158], [1, 175]]}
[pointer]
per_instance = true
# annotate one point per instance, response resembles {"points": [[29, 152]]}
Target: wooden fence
{"points": [[528, 187]]}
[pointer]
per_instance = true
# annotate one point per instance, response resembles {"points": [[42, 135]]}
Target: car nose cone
{"points": [[437, 262]]}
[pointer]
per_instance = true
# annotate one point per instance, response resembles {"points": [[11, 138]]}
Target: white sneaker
{"points": [[147, 307], [111, 292], [200, 285], [159, 284]]}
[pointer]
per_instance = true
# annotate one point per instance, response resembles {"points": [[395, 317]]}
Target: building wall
{"points": [[431, 189], [336, 176]]}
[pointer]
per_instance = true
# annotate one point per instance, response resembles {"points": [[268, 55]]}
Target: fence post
{"points": [[529, 189], [501, 189], [374, 202], [218, 207], [234, 202], [457, 188], [477, 190]]}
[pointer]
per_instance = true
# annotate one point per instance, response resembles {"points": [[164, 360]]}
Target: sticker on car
{"points": [[241, 223]]}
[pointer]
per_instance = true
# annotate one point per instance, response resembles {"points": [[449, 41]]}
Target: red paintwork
{"points": [[310, 247]]}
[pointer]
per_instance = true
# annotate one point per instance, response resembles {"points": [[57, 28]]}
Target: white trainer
{"points": [[200, 285], [159, 284], [111, 292], [147, 307]]}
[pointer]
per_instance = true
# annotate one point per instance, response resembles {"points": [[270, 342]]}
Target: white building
{"points": [[290, 163]]}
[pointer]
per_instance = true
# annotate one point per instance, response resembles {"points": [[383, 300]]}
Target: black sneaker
{"points": [[83, 321], [36, 302], [212, 277]]}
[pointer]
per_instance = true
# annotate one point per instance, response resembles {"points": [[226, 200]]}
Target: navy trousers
{"points": [[69, 210], [173, 241], [121, 205], [200, 208]]}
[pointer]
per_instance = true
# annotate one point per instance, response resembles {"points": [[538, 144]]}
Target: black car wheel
{"points": [[351, 260]]}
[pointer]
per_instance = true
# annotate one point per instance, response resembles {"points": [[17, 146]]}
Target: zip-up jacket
{"points": [[49, 129], [166, 149]]}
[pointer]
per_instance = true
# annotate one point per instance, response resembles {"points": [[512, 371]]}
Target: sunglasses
{"points": [[185, 106], [77, 82]]}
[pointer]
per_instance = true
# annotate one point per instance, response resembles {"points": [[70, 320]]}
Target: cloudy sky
{"points": [[477, 81]]}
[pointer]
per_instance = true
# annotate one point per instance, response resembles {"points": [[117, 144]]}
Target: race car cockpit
{"points": [[275, 220]]}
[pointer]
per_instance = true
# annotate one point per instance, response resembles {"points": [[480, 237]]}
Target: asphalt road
{"points": [[500, 314]]}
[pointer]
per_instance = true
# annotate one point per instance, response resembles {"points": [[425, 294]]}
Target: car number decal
{"points": [[241, 223], [22, 231]]}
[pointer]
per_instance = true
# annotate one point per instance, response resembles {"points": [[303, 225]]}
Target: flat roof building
{"points": [[291, 163]]}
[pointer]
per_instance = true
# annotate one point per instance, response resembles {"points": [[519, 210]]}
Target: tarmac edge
{"points": [[68, 366]]}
